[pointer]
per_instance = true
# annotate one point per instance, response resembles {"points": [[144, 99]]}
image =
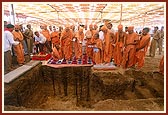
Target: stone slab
{"points": [[16, 73], [33, 63]]}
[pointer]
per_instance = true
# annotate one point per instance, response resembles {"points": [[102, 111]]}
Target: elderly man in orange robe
{"points": [[55, 37], [94, 31], [130, 48], [46, 34], [97, 49], [109, 25], [78, 43], [119, 45], [72, 27], [142, 47], [112, 43], [89, 50], [66, 43], [18, 48], [107, 45]]}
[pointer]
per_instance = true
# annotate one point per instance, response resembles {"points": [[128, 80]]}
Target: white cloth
{"points": [[9, 41], [101, 35], [95, 49], [40, 39], [50, 32], [84, 42]]}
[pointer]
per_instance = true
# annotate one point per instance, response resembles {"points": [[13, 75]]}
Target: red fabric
{"points": [[41, 57]]}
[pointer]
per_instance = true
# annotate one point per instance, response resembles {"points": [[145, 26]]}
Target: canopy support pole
{"points": [[12, 14], [144, 19], [101, 17], [121, 14]]}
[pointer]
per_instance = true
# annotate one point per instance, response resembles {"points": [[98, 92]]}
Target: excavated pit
{"points": [[82, 89]]}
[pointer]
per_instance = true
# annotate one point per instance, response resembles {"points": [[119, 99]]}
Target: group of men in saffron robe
{"points": [[125, 49]]}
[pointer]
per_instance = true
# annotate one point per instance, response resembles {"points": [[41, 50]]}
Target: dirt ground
{"points": [[148, 95]]}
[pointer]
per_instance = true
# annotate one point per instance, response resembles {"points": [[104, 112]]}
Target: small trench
{"points": [[78, 88]]}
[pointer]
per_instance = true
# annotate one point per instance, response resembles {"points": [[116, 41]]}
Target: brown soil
{"points": [[117, 90]]}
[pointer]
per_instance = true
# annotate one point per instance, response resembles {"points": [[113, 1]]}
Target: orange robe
{"points": [[161, 65], [19, 48], [89, 41], [56, 54], [89, 50], [78, 45], [46, 34], [107, 45], [129, 51], [93, 33], [140, 54], [66, 44], [55, 38], [112, 43], [119, 46], [97, 51]]}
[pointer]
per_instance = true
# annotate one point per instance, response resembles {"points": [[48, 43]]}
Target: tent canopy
{"points": [[57, 13]]}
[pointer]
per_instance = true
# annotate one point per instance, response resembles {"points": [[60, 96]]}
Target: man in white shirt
{"points": [[40, 42], [8, 42], [101, 34]]}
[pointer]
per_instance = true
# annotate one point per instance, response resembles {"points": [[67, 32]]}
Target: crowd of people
{"points": [[101, 45]]}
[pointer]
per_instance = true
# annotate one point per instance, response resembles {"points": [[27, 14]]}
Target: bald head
{"points": [[120, 28], [67, 27], [95, 27], [45, 27], [91, 27], [130, 29]]}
